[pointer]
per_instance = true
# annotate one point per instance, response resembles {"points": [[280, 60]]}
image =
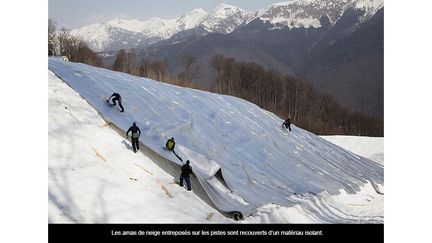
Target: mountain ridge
{"points": [[222, 19], [344, 59]]}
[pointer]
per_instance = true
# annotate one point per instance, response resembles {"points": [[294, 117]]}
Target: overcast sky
{"points": [[76, 13]]}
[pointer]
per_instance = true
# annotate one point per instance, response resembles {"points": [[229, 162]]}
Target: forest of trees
{"points": [[62, 43], [128, 62], [281, 94]]}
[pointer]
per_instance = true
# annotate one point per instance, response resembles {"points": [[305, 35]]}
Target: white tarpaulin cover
{"points": [[260, 162]]}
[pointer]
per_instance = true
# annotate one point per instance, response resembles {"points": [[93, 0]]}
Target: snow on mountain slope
{"points": [[100, 36], [192, 19], [307, 13], [152, 28], [94, 177], [225, 18], [368, 147], [241, 155], [370, 6], [97, 36], [133, 25]]}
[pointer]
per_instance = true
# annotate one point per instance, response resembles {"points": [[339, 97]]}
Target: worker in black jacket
{"points": [[136, 132], [116, 97], [287, 122], [186, 171]]}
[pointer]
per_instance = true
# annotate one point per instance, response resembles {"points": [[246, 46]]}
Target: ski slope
{"points": [[240, 154]]}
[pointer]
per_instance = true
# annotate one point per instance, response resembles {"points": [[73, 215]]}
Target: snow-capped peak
{"points": [[225, 18], [369, 6], [197, 11], [222, 7], [191, 19], [133, 25], [307, 13], [224, 11]]}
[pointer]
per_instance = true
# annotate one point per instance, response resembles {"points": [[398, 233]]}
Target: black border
{"points": [[324, 232]]}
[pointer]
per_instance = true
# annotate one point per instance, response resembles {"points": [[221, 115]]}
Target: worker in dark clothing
{"points": [[186, 171], [287, 123], [118, 98], [136, 132], [170, 145]]}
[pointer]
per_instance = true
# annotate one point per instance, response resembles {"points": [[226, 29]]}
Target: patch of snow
{"points": [[366, 206], [368, 147]]}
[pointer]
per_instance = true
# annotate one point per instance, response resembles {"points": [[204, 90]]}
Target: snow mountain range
{"points": [[133, 33]]}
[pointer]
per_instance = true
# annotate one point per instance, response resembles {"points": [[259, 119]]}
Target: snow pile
{"points": [[366, 206], [95, 178], [260, 162], [368, 147]]}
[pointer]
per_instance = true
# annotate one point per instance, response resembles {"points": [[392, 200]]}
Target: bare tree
{"points": [[191, 69], [160, 69], [217, 64], [125, 62], [144, 68], [52, 42], [74, 47], [86, 55]]}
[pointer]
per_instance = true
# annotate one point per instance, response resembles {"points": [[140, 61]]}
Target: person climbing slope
{"points": [[118, 98], [136, 132], [287, 122], [185, 175]]}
